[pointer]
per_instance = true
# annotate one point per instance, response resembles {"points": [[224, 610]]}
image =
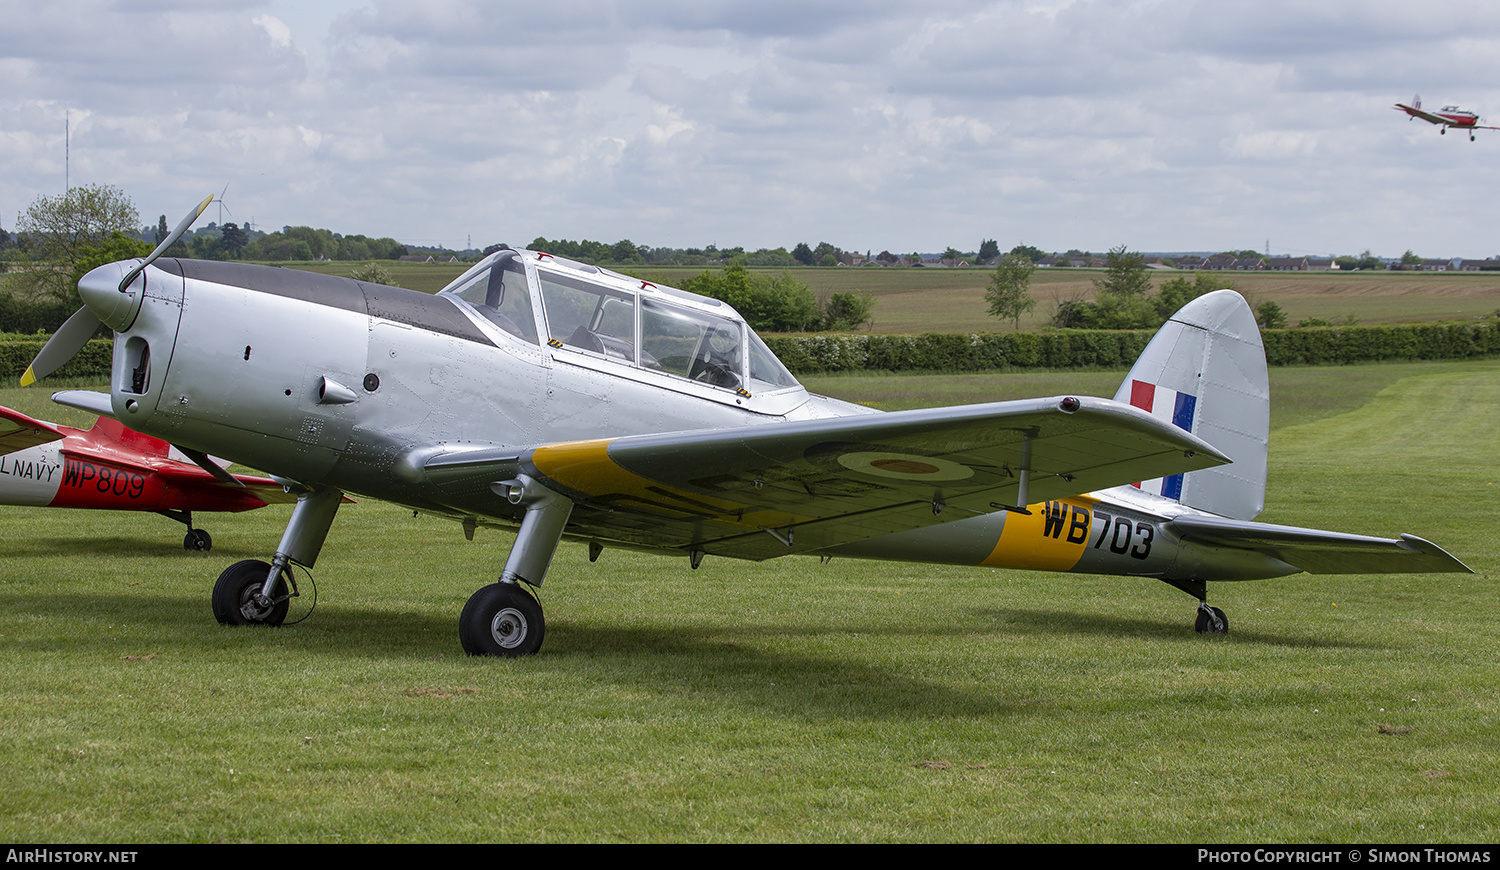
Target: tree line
{"points": [[59, 239]]}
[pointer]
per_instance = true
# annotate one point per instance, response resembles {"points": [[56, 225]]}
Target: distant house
{"points": [[1489, 264], [1320, 264], [1286, 264], [1435, 266], [414, 258], [1219, 263]]}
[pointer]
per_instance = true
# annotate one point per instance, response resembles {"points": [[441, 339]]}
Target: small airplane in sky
{"points": [[109, 467], [567, 401], [1449, 116]]}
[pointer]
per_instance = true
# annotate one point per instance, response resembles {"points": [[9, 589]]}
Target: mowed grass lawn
{"points": [[785, 701]]}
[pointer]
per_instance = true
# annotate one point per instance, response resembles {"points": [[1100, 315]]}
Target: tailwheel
{"points": [[1211, 620], [198, 541], [237, 599], [501, 619]]}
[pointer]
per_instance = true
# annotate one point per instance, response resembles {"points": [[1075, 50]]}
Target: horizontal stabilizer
{"points": [[1320, 552]]}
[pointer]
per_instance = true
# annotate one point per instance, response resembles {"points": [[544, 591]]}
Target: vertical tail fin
{"points": [[1205, 371]]}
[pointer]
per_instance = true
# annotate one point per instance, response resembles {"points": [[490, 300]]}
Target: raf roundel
{"points": [[905, 466]]}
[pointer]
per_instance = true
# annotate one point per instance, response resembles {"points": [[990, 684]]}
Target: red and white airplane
{"points": [[1448, 116], [111, 467]]}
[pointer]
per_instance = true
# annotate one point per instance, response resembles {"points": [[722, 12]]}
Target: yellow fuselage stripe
{"points": [[1052, 538]]}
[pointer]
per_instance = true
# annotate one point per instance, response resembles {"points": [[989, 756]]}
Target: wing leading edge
{"points": [[1424, 115], [761, 491], [18, 431]]}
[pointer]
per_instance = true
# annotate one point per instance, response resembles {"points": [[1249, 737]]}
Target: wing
{"points": [[1418, 113], [18, 431], [1320, 552], [769, 490]]}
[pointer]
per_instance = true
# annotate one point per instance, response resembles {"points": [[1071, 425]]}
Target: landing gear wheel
{"points": [[236, 590], [1211, 620], [501, 619], [199, 541]]}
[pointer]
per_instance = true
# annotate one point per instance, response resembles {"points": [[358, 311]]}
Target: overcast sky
{"points": [[1161, 125]]}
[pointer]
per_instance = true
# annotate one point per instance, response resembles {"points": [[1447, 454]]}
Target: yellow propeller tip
{"points": [[28, 378]]}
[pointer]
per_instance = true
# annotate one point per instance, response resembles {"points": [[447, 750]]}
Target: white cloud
{"points": [[1173, 123], [280, 34], [1271, 145]]}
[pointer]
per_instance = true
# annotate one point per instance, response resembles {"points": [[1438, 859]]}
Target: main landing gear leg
{"points": [[504, 618], [1210, 620], [255, 593]]}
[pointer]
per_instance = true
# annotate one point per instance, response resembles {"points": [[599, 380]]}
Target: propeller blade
{"points": [[68, 340], [172, 237]]}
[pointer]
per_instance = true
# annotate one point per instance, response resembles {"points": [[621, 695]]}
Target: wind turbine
{"points": [[220, 200]]}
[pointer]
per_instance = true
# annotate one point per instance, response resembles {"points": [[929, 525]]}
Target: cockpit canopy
{"points": [[621, 321]]}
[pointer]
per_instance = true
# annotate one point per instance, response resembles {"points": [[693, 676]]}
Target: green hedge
{"points": [[948, 352], [1061, 349], [1349, 344], [16, 354], [1070, 349], [29, 318]]}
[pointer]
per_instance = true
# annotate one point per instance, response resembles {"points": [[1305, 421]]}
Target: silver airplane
{"points": [[568, 401]]}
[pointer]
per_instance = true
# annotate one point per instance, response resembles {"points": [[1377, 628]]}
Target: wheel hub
{"points": [[254, 606], [252, 611], [508, 628]]}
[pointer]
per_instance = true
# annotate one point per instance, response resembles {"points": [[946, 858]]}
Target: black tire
{"points": [[501, 619], [232, 600], [199, 541], [1202, 625]]}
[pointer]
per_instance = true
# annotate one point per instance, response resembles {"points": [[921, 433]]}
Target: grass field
{"points": [[787, 701], [952, 300]]}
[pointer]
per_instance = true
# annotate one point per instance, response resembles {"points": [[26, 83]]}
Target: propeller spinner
{"points": [[100, 306]]}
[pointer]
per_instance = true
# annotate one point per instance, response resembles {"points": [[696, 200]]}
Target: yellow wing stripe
{"points": [[585, 466]]}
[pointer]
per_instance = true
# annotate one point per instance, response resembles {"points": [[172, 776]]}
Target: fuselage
{"points": [[1456, 117], [330, 382], [1448, 116], [88, 470]]}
